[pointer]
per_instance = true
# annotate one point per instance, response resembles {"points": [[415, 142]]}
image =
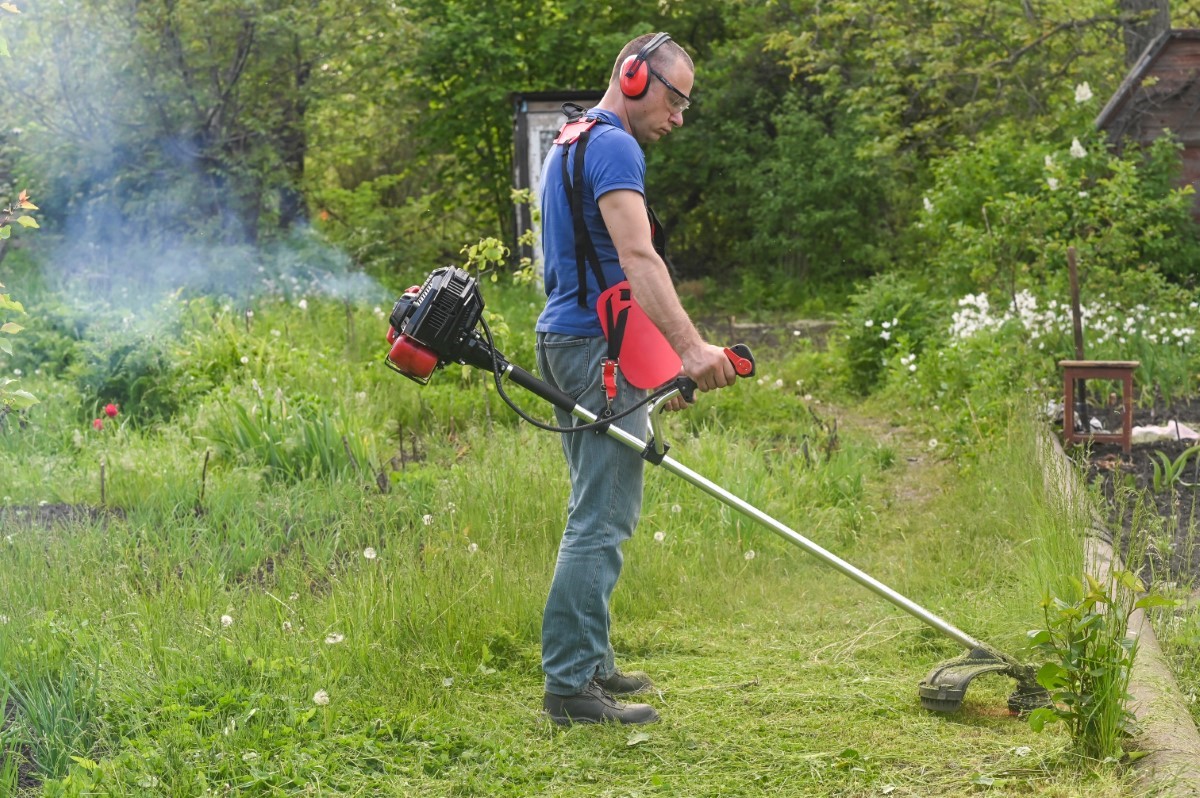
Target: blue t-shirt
{"points": [[613, 161]]}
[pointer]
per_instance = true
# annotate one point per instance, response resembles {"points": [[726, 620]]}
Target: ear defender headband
{"points": [[635, 72]]}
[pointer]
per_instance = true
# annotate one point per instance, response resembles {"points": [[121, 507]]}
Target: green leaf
{"points": [[637, 738], [10, 327], [22, 399], [1051, 676], [4, 48], [27, 221], [5, 347], [5, 231], [1154, 600], [1040, 717]]}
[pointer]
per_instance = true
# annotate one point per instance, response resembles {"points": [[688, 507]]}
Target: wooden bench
{"points": [[1099, 370]]}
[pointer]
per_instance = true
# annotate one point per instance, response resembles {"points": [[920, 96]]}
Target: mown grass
{"points": [[184, 645]]}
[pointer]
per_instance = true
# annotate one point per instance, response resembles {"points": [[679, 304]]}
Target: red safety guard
{"points": [[647, 360]]}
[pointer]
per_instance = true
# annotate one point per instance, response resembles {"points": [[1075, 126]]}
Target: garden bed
{"points": [[1159, 517]]}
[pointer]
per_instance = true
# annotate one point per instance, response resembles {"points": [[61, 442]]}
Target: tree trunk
{"points": [[1143, 21]]}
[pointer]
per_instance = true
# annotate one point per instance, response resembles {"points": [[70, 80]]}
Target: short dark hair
{"points": [[662, 56]]}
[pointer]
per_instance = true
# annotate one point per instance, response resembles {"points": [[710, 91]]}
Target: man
{"points": [[645, 100]]}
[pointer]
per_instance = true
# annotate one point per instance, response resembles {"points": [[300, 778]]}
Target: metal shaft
{"points": [[792, 536]]}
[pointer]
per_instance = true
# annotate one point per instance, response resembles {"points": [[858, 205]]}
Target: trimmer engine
{"points": [[434, 324]]}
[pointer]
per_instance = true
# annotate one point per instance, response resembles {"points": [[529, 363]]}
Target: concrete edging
{"points": [[1171, 767]]}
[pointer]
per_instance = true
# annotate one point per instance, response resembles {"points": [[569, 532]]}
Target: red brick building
{"points": [[1161, 92]]}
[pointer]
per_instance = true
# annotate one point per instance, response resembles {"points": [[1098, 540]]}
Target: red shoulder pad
{"points": [[573, 130]]}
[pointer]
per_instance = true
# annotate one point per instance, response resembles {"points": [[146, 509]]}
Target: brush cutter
{"points": [[435, 324]]}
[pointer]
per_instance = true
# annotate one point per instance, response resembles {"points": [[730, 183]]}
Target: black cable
{"points": [[594, 425]]}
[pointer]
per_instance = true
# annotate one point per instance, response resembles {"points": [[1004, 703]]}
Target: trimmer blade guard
{"points": [[946, 685]]}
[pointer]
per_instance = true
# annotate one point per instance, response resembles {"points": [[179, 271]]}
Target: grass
{"points": [[176, 647]]}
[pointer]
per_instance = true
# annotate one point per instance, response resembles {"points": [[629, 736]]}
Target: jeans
{"points": [[605, 502]]}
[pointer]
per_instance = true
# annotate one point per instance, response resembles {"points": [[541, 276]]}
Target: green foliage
{"points": [[56, 712], [891, 316], [13, 398], [1168, 473], [1091, 659], [296, 441], [1006, 206]]}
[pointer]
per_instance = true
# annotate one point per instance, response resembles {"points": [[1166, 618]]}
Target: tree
{"points": [[163, 118], [12, 398]]}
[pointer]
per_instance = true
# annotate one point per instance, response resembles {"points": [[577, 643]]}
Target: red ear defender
{"points": [[635, 76]]}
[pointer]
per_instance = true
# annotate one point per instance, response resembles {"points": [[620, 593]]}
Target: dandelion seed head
{"points": [[660, 536], [749, 555], [333, 638], [227, 621], [369, 553], [321, 698]]}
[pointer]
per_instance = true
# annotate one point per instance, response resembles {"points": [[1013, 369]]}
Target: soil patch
{"points": [[44, 516], [1167, 517]]}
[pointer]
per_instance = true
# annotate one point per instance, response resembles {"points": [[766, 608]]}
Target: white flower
{"points": [[778, 383], [1077, 150], [933, 443], [913, 367], [1083, 92], [245, 360], [869, 323], [749, 555], [1083, 194], [302, 304], [660, 536], [333, 638], [885, 335], [3, 620], [1048, 161], [369, 553], [321, 698], [294, 597], [675, 508], [378, 312], [226, 621], [472, 547], [249, 314], [928, 205], [17, 372], [1053, 183], [886, 325], [427, 519]]}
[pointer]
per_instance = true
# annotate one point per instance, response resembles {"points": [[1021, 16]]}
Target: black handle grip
{"points": [[743, 363]]}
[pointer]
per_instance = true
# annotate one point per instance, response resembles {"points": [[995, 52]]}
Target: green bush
{"points": [[1004, 209], [890, 316]]}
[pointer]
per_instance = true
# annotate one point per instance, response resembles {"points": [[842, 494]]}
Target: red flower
{"points": [[110, 411], [98, 423]]}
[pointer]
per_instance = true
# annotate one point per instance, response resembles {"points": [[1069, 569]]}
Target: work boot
{"points": [[619, 683], [593, 705]]}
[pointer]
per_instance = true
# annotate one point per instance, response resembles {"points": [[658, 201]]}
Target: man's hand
{"points": [[708, 366]]}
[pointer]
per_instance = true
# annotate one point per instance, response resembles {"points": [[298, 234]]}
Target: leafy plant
{"points": [[13, 398], [1168, 472], [889, 316], [289, 442], [1092, 657]]}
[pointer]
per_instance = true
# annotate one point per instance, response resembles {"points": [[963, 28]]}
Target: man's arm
{"points": [[624, 214]]}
